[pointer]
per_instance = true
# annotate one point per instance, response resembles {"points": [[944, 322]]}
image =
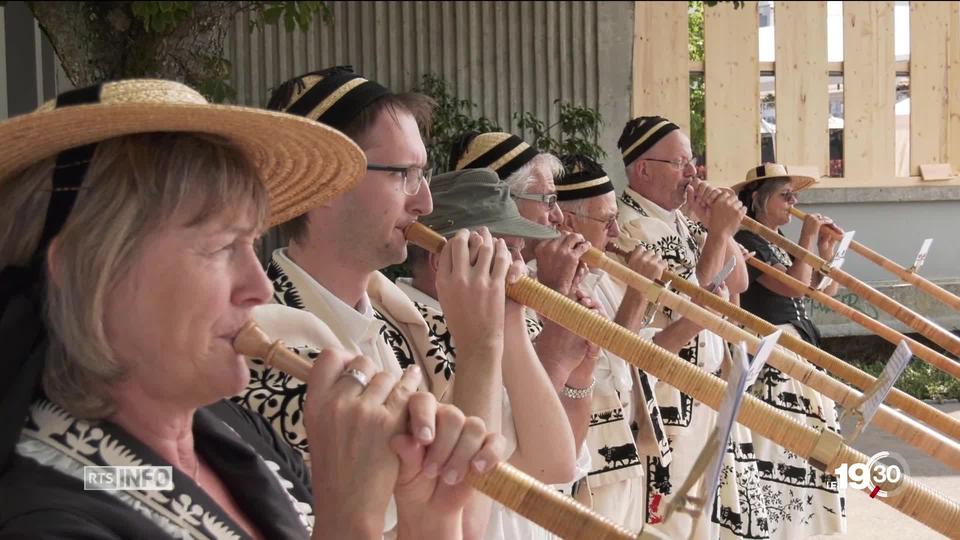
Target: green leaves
{"points": [[161, 18], [216, 88], [577, 131], [452, 117], [294, 14], [698, 134]]}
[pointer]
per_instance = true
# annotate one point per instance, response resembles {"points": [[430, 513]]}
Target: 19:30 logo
{"points": [[882, 468]]}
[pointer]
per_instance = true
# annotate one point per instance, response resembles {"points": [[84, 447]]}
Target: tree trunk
{"points": [[100, 41]]}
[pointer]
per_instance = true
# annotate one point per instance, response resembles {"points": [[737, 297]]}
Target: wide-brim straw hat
{"points": [[800, 177], [301, 162]]}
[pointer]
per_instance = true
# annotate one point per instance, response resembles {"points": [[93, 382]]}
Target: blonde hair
{"points": [[134, 185]]}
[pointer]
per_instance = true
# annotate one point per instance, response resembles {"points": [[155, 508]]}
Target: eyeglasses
{"points": [[678, 164], [549, 199], [789, 195], [412, 176], [608, 224]]}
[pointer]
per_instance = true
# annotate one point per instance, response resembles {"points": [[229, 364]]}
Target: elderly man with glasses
{"points": [[661, 175], [625, 424]]}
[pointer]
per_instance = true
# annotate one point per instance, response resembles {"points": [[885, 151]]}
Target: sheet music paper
{"points": [[767, 345], [838, 257], [922, 255], [891, 372]]}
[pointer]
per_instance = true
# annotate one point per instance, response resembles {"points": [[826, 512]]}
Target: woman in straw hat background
{"points": [[801, 500], [129, 215]]}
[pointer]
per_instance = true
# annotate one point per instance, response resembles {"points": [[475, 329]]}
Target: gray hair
{"points": [[134, 185], [520, 180]]}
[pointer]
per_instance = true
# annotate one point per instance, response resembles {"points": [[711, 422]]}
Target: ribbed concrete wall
{"points": [[507, 57]]}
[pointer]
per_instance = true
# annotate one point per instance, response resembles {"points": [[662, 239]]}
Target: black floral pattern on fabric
{"points": [[394, 338], [626, 199], [273, 394], [191, 511], [279, 398], [441, 351], [799, 497], [752, 521], [284, 291]]}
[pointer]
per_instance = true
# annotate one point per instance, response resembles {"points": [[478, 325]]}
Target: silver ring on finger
{"points": [[356, 375]]}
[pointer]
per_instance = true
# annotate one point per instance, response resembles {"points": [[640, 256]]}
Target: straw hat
{"points": [[800, 177], [301, 162]]}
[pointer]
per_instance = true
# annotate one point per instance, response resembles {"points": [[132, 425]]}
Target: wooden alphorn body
{"points": [[910, 405], [909, 317], [504, 483], [825, 450], [941, 448], [904, 274], [923, 352]]}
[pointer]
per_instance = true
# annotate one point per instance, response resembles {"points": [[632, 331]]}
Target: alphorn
{"points": [[909, 317], [936, 445], [825, 450], [910, 405], [504, 483], [923, 352], [904, 274]]}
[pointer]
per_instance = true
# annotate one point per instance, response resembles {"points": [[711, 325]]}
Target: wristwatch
{"points": [[578, 393]]}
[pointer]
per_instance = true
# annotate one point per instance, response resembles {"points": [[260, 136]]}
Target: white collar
{"points": [[651, 208], [355, 323]]}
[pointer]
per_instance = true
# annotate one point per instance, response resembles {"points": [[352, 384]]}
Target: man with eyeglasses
{"points": [[331, 265], [661, 175], [624, 412]]}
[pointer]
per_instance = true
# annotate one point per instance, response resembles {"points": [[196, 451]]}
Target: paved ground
{"points": [[872, 519]]}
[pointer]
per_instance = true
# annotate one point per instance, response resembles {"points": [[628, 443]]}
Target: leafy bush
{"points": [[576, 130], [451, 118], [920, 380]]}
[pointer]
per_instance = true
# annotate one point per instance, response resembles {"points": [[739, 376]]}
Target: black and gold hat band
{"points": [[504, 158], [335, 99], [583, 185], [648, 133]]}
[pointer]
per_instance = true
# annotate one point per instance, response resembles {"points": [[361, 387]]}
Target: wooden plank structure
{"points": [[732, 90], [660, 87], [801, 77], [930, 27], [731, 70], [869, 82]]}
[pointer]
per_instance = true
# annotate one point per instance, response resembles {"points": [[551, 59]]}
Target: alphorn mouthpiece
{"points": [[251, 341], [424, 237], [612, 247]]}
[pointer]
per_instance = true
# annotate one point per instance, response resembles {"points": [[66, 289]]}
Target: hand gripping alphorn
{"points": [[904, 274], [909, 317], [504, 483], [910, 405], [923, 352], [824, 450]]}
